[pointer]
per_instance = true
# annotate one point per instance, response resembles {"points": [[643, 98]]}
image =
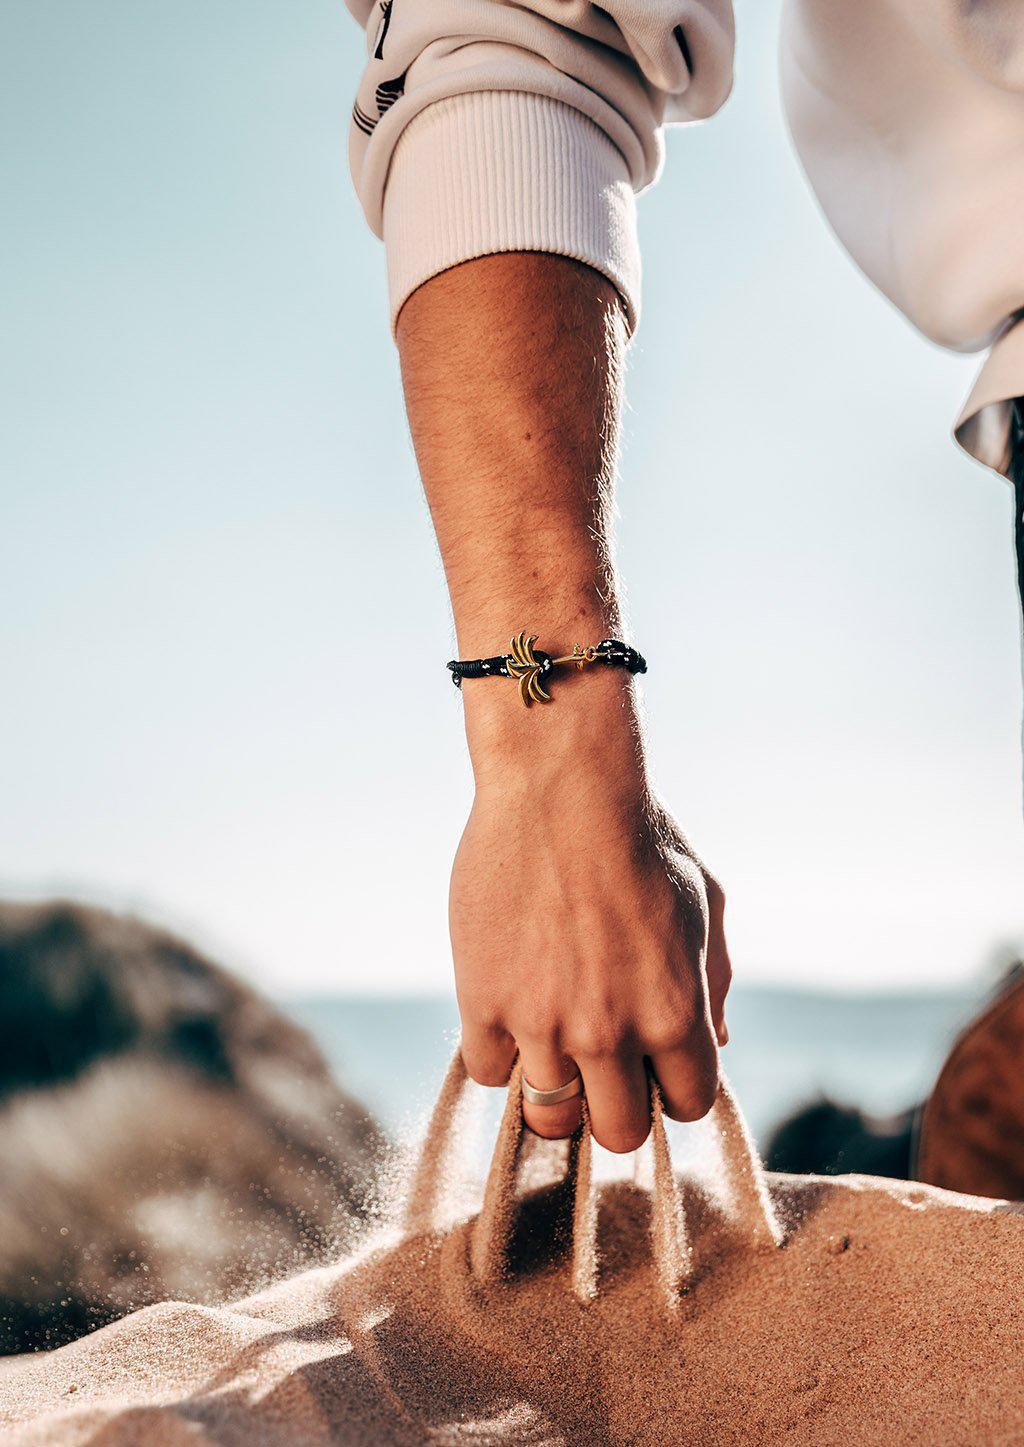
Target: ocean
{"points": [[788, 1047]]}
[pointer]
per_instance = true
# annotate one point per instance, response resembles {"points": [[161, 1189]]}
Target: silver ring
{"points": [[571, 1088]]}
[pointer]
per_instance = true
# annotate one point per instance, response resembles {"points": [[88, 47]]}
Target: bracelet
{"points": [[529, 664]]}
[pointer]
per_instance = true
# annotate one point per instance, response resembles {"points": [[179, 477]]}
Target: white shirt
{"points": [[483, 126]]}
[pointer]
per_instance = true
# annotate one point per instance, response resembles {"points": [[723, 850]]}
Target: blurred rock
{"points": [[164, 1130], [828, 1139]]}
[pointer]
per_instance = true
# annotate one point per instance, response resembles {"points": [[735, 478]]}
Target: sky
{"points": [[225, 624]]}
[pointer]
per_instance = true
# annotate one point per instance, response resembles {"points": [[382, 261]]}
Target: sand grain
{"points": [[892, 1314]]}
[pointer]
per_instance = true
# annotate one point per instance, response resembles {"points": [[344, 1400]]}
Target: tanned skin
{"points": [[585, 931]]}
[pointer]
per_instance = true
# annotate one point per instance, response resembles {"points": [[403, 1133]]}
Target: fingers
{"points": [[488, 1053], [615, 1085], [688, 1076], [546, 1068], [618, 1101]]}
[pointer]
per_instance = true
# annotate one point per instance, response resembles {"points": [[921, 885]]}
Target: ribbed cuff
{"points": [[493, 171]]}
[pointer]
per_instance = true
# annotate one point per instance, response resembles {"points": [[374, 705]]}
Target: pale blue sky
{"points": [[212, 522]]}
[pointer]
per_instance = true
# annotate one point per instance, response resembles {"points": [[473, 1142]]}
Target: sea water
{"points": [[787, 1047]]}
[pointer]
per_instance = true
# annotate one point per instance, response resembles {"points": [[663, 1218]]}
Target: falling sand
{"points": [[774, 1309]]}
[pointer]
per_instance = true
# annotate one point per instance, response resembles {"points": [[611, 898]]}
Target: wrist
{"points": [[589, 731]]}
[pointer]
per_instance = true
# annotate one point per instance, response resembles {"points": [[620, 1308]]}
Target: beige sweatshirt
{"points": [[500, 125]]}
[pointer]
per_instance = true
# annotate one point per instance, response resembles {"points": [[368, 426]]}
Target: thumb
{"points": [[719, 965]]}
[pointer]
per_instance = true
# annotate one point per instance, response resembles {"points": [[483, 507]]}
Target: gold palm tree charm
{"points": [[523, 663]]}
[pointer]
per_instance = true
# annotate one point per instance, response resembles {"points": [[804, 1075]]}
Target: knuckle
{"points": [[481, 1013], [493, 1075], [669, 1033], [621, 1139], [672, 1018], [535, 1022], [696, 1101], [485, 1069], [599, 1037], [693, 1020], [553, 1122]]}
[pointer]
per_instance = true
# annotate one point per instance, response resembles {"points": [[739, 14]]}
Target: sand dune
{"points": [[890, 1314], [893, 1314]]}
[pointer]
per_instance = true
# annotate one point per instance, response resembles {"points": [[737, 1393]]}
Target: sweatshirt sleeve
{"points": [[484, 126]]}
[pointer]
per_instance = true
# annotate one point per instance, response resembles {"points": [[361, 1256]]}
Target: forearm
{"points": [[585, 935], [512, 367], [579, 918]]}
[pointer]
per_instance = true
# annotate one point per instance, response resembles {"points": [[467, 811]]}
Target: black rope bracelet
{"points": [[530, 665]]}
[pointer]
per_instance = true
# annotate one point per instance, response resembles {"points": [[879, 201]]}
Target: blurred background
{"points": [[212, 519]]}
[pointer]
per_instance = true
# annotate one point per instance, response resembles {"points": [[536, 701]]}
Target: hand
{"points": [[584, 930], [586, 934]]}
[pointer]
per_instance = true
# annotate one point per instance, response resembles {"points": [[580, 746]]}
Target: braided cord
{"points": [[531, 666]]}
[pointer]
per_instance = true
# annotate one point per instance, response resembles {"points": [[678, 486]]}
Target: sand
{"points": [[744, 1309]]}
